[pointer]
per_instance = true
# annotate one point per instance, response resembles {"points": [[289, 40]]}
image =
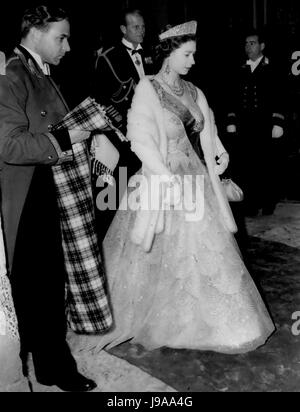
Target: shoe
{"points": [[74, 382]]}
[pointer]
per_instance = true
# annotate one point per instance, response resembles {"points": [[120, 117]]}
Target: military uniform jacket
{"points": [[29, 103], [116, 78], [257, 95]]}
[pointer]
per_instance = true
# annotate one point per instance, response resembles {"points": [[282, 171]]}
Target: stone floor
{"points": [[273, 256]]}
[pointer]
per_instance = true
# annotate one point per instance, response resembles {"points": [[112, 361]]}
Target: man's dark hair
{"points": [[41, 17], [254, 32], [129, 10]]}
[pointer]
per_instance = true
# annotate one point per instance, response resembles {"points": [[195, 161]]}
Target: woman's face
{"points": [[182, 59]]}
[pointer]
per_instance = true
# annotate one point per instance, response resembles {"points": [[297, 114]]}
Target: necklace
{"points": [[177, 90]]}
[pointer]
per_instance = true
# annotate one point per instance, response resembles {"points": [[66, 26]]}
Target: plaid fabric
{"points": [[91, 116], [88, 307]]}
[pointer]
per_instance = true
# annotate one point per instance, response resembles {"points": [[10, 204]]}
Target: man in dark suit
{"points": [[255, 122], [44, 190], [118, 71]]}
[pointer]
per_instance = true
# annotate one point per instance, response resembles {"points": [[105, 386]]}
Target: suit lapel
{"points": [[58, 92], [29, 62], [261, 66]]}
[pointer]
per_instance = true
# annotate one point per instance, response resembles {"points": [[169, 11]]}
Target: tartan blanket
{"points": [[91, 116], [88, 308], [87, 304]]}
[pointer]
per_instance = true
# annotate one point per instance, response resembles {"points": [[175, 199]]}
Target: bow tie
{"points": [[135, 51]]}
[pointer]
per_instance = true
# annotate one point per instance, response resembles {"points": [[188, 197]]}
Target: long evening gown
{"points": [[192, 290]]}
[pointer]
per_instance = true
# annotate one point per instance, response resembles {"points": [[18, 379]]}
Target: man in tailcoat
{"points": [[256, 122], [118, 71], [47, 207]]}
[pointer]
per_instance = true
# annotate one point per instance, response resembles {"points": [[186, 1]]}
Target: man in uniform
{"points": [[118, 71], [255, 122], [47, 207]]}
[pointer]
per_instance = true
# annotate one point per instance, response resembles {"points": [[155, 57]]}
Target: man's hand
{"points": [[77, 136], [277, 132]]}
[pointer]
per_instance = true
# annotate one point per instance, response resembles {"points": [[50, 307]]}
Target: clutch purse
{"points": [[105, 158], [233, 192]]}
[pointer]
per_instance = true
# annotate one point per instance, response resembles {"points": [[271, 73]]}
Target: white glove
{"points": [[222, 163], [231, 128], [277, 132]]}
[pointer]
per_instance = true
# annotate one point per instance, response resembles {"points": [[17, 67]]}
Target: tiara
{"points": [[182, 29]]}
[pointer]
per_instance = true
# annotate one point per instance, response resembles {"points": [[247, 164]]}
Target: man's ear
{"points": [[123, 29], [35, 34], [263, 46]]}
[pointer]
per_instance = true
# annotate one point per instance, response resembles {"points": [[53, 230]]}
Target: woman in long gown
{"points": [[176, 278]]}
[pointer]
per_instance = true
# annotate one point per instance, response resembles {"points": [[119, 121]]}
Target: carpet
{"points": [[111, 373], [275, 367]]}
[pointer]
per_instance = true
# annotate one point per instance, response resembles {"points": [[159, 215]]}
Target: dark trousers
{"points": [[38, 280], [256, 164]]}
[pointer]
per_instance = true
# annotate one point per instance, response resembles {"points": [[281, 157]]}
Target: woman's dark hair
{"points": [[165, 47], [41, 17]]}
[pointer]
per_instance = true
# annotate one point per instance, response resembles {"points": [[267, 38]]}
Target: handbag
{"points": [[105, 158], [233, 192]]}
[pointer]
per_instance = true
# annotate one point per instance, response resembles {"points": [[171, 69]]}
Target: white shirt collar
{"points": [[130, 45], [43, 66], [255, 63]]}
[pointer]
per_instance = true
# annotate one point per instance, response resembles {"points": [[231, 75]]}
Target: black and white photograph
{"points": [[150, 198]]}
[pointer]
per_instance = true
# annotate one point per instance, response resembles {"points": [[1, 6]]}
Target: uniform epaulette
{"points": [[12, 58], [106, 58], [105, 52], [102, 53], [279, 116], [278, 119]]}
